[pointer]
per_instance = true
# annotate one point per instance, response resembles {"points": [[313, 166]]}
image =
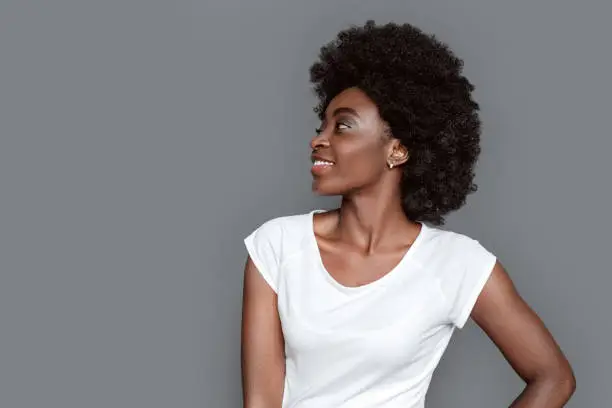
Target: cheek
{"points": [[361, 164], [356, 166]]}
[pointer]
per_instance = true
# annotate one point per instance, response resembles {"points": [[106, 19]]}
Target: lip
{"points": [[319, 157], [320, 169]]}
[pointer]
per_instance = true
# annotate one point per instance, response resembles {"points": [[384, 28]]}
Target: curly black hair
{"points": [[417, 84]]}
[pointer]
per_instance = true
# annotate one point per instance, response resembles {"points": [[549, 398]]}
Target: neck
{"points": [[375, 219]]}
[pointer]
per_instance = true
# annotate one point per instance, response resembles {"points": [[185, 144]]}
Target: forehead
{"points": [[353, 98]]}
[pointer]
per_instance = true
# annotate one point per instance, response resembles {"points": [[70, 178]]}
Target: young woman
{"points": [[354, 307]]}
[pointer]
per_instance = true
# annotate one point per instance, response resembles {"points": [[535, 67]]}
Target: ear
{"points": [[398, 154]]}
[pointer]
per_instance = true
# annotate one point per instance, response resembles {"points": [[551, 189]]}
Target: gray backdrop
{"points": [[141, 140]]}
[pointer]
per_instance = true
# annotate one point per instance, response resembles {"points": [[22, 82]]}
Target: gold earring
{"points": [[390, 165]]}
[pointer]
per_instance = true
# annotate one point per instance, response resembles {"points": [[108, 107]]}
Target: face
{"points": [[352, 148]]}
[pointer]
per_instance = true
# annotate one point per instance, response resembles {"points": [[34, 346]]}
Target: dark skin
{"points": [[364, 239]]}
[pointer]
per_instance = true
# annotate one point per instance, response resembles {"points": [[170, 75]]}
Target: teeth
{"points": [[322, 163]]}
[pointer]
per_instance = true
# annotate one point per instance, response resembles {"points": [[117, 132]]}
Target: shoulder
{"points": [[284, 233], [451, 256], [273, 241], [463, 265], [285, 224], [451, 245]]}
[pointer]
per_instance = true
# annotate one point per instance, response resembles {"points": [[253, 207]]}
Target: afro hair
{"points": [[417, 84]]}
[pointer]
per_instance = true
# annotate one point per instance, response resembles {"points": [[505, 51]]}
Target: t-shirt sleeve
{"points": [[264, 248], [469, 278]]}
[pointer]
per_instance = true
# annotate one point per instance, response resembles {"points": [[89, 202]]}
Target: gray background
{"points": [[142, 140]]}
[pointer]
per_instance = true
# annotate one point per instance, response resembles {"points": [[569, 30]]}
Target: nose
{"points": [[319, 141]]}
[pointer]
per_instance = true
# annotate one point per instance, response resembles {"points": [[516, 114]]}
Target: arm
{"points": [[525, 342], [263, 360]]}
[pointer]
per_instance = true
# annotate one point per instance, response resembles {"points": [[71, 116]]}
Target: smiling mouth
{"points": [[322, 163], [320, 167]]}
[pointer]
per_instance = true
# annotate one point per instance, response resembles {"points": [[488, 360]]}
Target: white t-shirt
{"points": [[369, 346]]}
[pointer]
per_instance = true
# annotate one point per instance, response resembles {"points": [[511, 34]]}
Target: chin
{"points": [[326, 189]]}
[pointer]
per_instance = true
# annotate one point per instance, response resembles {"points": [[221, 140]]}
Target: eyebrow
{"points": [[345, 110]]}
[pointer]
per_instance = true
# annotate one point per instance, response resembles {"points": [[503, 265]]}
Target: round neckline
{"points": [[353, 289]]}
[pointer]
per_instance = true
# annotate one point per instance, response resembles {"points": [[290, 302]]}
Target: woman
{"points": [[354, 307]]}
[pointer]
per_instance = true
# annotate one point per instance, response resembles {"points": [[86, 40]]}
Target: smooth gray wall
{"points": [[141, 140]]}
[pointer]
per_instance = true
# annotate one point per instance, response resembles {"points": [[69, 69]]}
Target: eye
{"points": [[342, 126], [339, 127]]}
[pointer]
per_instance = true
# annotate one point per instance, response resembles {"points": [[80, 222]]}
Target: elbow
{"points": [[565, 380], [564, 388], [566, 384], [560, 382]]}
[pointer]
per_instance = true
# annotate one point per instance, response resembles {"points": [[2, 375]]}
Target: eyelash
{"points": [[319, 130]]}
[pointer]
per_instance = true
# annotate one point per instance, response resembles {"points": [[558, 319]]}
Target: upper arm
{"points": [[517, 330], [262, 343]]}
